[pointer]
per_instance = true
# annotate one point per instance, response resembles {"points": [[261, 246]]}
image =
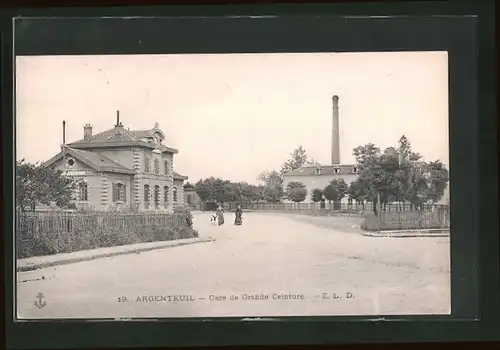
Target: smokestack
{"points": [[63, 146], [335, 131], [118, 123], [64, 133]]}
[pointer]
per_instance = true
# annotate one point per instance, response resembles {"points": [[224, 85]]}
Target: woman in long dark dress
{"points": [[238, 220], [220, 215]]}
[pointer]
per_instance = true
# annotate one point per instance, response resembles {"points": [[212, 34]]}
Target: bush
{"points": [[55, 232], [186, 213]]}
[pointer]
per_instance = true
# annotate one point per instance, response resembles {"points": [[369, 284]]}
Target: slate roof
{"points": [[121, 137], [189, 187], [312, 170], [179, 176], [94, 160]]}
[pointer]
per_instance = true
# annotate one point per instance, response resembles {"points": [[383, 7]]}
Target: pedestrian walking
{"points": [[238, 220], [220, 215]]}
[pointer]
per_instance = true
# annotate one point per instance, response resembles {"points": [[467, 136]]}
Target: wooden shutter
{"points": [[124, 193], [113, 186]]}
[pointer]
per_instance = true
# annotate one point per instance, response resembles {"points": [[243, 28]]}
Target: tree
{"points": [[336, 190], [366, 153], [272, 190], [36, 183], [297, 160], [204, 189], [397, 174], [291, 187], [212, 190], [357, 191], [317, 195], [297, 194], [438, 177]]}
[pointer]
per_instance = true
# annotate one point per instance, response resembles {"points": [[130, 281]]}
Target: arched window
{"points": [[165, 196], [146, 165], [165, 167], [175, 194], [157, 166], [147, 195], [119, 192], [157, 196], [83, 195]]}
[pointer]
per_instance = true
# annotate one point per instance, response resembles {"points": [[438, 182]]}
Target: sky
{"points": [[235, 115]]}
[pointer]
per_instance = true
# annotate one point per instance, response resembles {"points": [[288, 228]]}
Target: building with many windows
{"points": [[121, 168]]}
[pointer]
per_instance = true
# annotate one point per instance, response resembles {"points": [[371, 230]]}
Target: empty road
{"points": [[273, 265]]}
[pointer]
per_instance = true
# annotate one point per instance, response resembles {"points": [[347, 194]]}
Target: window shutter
{"points": [[114, 191], [124, 193]]}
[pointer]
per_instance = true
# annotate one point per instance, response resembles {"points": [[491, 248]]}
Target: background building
{"points": [[191, 198], [319, 176], [122, 168]]}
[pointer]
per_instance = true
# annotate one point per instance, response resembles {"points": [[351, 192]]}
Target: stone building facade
{"points": [[122, 168], [320, 176], [191, 198]]}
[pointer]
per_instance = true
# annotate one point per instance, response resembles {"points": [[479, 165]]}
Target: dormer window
{"points": [[318, 171], [336, 170], [354, 169]]}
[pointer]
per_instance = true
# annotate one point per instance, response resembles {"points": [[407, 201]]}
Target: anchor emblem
{"points": [[40, 302]]}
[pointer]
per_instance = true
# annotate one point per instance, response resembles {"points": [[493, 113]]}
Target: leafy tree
{"points": [[217, 190], [366, 153], [357, 191], [438, 177], [272, 190], [204, 189], [336, 190], [297, 194], [291, 187], [298, 158], [213, 190], [36, 183], [397, 174], [317, 195]]}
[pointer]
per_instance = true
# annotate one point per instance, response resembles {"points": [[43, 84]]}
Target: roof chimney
{"points": [[87, 132], [335, 131], [118, 123]]}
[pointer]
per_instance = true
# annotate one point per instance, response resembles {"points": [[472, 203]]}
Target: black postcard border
{"points": [[465, 30]]}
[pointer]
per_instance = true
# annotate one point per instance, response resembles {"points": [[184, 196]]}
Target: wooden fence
{"points": [[39, 224], [394, 216]]}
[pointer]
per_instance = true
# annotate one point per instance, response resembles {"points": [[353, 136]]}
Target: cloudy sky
{"points": [[235, 115]]}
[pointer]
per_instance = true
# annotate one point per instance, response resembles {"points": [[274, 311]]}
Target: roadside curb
{"points": [[409, 233], [69, 260]]}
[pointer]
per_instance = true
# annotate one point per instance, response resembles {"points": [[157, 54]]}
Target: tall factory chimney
{"points": [[335, 131]]}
